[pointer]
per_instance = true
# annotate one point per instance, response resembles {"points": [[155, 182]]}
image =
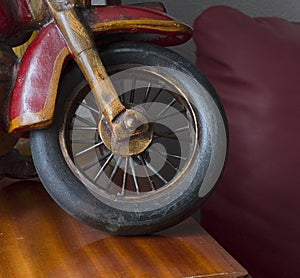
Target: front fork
{"points": [[123, 131]]}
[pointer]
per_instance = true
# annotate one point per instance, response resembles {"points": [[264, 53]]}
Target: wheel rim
{"points": [[160, 168]]}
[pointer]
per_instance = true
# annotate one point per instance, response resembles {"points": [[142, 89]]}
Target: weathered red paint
{"points": [[34, 75], [34, 84], [150, 35], [109, 13]]}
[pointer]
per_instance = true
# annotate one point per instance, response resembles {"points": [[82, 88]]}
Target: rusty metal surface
{"points": [[131, 135], [83, 49]]}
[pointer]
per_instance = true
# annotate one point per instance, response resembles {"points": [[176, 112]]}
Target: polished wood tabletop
{"points": [[38, 239]]}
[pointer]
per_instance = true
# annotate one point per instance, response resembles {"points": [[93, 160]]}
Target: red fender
{"points": [[33, 98], [32, 101], [138, 24]]}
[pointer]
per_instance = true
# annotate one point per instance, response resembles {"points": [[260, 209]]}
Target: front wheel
{"points": [[156, 188]]}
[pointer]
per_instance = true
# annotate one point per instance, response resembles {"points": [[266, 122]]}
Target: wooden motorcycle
{"points": [[126, 135]]}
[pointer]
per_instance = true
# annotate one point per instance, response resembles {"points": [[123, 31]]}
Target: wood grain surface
{"points": [[38, 239]]}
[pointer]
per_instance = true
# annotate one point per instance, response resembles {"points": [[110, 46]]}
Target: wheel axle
{"points": [[130, 133]]}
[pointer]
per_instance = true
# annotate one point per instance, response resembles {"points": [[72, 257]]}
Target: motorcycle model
{"points": [[126, 135]]}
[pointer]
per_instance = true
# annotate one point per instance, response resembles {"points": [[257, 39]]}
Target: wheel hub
{"points": [[130, 133]]}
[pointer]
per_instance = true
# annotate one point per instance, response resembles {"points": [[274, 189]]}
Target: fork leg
{"points": [[131, 133], [82, 47]]}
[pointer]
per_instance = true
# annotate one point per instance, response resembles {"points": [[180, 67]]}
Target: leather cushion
{"points": [[254, 64]]}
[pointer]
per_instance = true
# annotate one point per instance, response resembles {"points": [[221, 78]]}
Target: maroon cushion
{"points": [[254, 65]]}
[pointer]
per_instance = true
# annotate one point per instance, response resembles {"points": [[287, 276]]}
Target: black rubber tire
{"points": [[68, 191]]}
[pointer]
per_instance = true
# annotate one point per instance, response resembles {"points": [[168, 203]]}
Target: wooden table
{"points": [[38, 239]]}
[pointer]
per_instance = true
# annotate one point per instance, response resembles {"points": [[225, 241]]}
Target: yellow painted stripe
{"points": [[21, 49], [153, 24]]}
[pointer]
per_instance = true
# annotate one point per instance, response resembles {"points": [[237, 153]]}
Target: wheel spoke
{"points": [[103, 167], [156, 173], [167, 107], [151, 182], [84, 128], [179, 129], [154, 98], [147, 93], [136, 184], [158, 154], [120, 90], [124, 178], [90, 101], [88, 149], [92, 164], [85, 121], [90, 108], [174, 156], [114, 171], [171, 115], [132, 91]]}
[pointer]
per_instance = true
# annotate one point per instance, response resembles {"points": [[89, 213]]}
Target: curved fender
{"points": [[33, 97], [137, 24], [32, 101]]}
